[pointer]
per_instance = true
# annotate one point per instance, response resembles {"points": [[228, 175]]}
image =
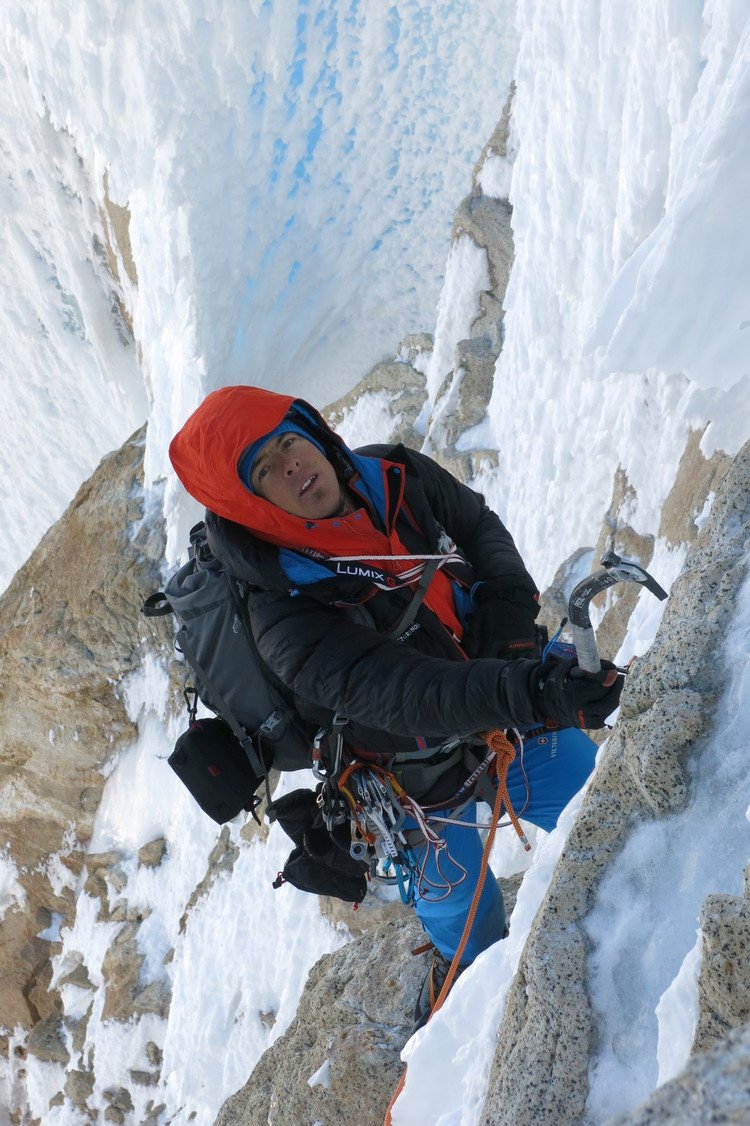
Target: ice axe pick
{"points": [[614, 570]]}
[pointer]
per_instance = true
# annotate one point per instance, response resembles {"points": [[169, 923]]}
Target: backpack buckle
{"points": [[270, 723]]}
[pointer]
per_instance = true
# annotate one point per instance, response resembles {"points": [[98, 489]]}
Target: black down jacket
{"points": [[402, 697]]}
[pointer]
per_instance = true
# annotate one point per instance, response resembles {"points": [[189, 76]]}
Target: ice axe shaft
{"points": [[614, 570]]}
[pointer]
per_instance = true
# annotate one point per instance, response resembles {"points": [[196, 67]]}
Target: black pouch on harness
{"points": [[321, 862], [211, 762]]}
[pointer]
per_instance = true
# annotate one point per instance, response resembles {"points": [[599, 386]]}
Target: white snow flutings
{"points": [[290, 175]]}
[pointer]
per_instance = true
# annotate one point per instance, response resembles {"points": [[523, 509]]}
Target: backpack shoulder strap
{"points": [[415, 602], [239, 594]]}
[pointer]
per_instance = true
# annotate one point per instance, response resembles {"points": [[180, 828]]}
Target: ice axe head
{"points": [[614, 570]]}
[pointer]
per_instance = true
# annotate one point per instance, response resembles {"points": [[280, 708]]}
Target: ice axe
{"points": [[615, 570]]}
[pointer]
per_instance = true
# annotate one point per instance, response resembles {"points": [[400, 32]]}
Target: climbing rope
{"points": [[504, 750], [498, 742]]}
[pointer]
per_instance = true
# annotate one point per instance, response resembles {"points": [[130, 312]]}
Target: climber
{"points": [[333, 544]]}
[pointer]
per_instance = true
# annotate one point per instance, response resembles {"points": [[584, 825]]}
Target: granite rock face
{"points": [[724, 983], [354, 1018], [339, 1059], [396, 387], [540, 1071], [462, 400], [69, 631]]}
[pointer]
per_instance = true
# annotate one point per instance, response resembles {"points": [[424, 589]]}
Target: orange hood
{"points": [[206, 452]]}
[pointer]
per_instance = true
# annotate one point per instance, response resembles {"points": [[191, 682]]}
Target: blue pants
{"points": [[556, 766]]}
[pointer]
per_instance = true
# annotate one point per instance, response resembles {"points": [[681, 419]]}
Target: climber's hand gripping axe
{"points": [[615, 570]]}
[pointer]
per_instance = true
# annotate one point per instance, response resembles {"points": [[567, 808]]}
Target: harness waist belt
{"points": [[420, 777], [430, 755]]}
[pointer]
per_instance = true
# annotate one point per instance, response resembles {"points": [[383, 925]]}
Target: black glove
{"points": [[502, 623], [562, 692]]}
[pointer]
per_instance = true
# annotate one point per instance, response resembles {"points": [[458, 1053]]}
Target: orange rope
{"points": [[498, 742]]}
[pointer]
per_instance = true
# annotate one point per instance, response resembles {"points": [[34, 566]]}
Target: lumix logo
{"points": [[360, 571]]}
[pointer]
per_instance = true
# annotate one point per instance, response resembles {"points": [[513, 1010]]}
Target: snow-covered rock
{"points": [[385, 405], [649, 770], [355, 1012], [438, 389], [724, 982]]}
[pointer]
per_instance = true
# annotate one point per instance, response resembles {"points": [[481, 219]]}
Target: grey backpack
{"points": [[230, 677]]}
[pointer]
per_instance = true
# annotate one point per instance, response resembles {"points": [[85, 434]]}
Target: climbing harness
{"points": [[401, 841]]}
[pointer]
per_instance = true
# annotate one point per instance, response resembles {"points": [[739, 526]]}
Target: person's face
{"points": [[293, 474]]}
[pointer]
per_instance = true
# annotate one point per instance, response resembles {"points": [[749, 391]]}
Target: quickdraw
{"points": [[377, 813]]}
